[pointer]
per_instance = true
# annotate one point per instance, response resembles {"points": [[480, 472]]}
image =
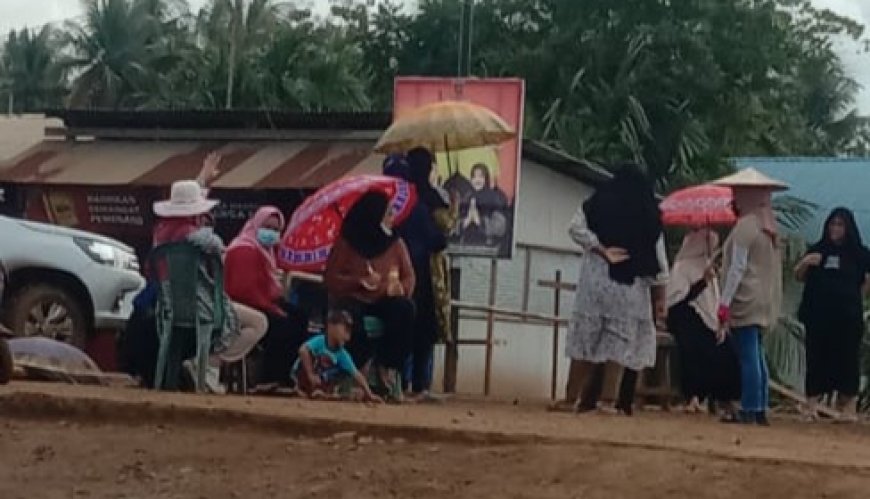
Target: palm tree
{"points": [[233, 34], [311, 70], [600, 115], [115, 50], [32, 77]]}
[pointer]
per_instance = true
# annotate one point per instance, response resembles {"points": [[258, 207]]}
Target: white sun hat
{"points": [[750, 177], [185, 200]]}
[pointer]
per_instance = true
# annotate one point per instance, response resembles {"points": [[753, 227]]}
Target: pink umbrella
{"points": [[699, 206], [316, 224]]}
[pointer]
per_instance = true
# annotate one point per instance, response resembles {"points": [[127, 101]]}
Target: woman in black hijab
{"points": [[835, 271], [620, 230], [624, 213], [369, 273], [424, 241]]}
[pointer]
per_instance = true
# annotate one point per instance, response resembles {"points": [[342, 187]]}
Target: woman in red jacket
{"points": [[253, 279]]}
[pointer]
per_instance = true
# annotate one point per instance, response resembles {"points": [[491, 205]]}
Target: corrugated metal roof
{"points": [[261, 164], [826, 182], [258, 164], [222, 119]]}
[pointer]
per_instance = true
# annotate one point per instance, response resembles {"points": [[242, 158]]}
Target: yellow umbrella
{"points": [[445, 126]]}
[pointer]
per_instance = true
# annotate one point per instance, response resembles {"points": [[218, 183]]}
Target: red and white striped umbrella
{"points": [[316, 224], [699, 206]]}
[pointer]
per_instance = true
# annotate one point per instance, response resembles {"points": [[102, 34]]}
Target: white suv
{"points": [[62, 283]]}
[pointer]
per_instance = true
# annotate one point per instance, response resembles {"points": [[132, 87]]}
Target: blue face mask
{"points": [[268, 237]]}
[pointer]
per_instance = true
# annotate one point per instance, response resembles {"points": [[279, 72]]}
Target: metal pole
{"points": [[557, 306], [451, 348], [461, 38], [490, 325], [470, 36]]}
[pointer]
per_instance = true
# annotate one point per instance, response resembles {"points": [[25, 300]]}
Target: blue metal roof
{"points": [[826, 182]]}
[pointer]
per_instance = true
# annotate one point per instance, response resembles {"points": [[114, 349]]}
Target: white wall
{"points": [[522, 355], [546, 204], [20, 132]]}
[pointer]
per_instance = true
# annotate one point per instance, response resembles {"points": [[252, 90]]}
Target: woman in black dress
{"points": [[708, 362], [835, 271]]}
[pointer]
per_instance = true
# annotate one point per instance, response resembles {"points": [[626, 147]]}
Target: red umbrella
{"points": [[316, 224], [699, 206]]}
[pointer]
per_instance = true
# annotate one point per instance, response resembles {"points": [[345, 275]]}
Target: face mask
{"points": [[268, 237]]}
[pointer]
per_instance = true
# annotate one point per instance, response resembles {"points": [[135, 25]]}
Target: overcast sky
{"points": [[17, 13]]}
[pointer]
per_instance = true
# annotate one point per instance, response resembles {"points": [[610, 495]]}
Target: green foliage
{"points": [[679, 86], [31, 77], [784, 345]]}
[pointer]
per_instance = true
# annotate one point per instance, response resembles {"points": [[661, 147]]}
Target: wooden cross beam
{"points": [[562, 286]]}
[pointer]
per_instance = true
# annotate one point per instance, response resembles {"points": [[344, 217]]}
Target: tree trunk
{"points": [[238, 13]]}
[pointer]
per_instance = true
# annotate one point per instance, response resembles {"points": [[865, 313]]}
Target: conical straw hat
{"points": [[750, 177]]}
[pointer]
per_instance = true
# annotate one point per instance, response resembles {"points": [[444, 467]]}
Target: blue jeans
{"points": [[753, 369]]}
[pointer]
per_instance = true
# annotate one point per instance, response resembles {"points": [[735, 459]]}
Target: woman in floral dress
{"points": [[620, 231]]}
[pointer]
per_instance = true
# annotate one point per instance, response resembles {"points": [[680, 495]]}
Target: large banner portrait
{"points": [[485, 180]]}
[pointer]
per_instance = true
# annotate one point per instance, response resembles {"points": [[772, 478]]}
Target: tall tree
{"points": [[311, 68], [116, 49], [31, 78], [233, 34], [678, 86]]}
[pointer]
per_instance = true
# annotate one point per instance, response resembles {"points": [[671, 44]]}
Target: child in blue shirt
{"points": [[323, 362]]}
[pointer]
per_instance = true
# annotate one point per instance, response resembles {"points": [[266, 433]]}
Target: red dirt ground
{"points": [[60, 441]]}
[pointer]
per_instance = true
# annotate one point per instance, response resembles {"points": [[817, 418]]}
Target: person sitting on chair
{"points": [[252, 278], [185, 217], [369, 271]]}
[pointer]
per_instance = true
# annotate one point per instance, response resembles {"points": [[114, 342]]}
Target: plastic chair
{"points": [[176, 267]]}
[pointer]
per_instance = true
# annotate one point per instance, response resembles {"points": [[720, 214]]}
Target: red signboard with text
{"points": [[486, 179]]}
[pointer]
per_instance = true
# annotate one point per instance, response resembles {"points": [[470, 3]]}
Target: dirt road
{"points": [[72, 442]]}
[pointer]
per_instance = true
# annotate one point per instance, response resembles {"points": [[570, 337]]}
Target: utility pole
{"points": [[466, 37], [460, 42], [470, 36]]}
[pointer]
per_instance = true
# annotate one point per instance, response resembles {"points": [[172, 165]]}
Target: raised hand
{"points": [[209, 170]]}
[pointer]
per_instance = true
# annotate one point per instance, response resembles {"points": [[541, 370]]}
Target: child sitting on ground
{"points": [[323, 362]]}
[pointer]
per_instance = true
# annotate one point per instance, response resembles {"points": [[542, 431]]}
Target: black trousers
{"points": [[139, 346], [391, 349], [280, 345], [707, 370], [418, 376]]}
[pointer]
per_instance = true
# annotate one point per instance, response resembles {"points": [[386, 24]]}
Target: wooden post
{"points": [[527, 278], [558, 286], [557, 306], [451, 348], [490, 325]]}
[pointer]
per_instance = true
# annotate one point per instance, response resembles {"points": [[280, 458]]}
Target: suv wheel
{"points": [[46, 310]]}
